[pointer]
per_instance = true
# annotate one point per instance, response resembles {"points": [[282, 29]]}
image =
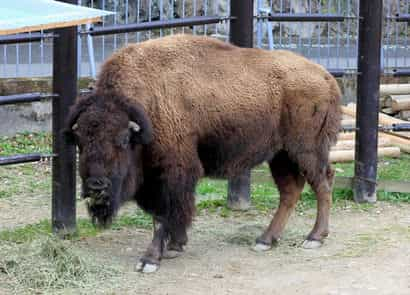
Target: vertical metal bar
{"points": [[5, 60], [171, 16], [319, 34], [310, 37], [329, 6], [368, 83], [228, 23], [241, 34], [289, 45], [387, 44], [194, 8], [183, 14], [338, 37], [103, 37], [29, 58], [216, 12], [126, 20], [138, 18], [348, 35], [149, 16], [79, 47], [280, 25], [406, 29], [42, 51], [397, 44], [91, 57], [161, 12], [115, 22], [259, 25], [65, 85], [17, 60], [205, 3]]}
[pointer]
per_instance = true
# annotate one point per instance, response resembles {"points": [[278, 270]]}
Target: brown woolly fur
{"points": [[205, 108]]}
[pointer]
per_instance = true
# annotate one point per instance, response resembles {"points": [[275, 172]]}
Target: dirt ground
{"points": [[368, 252]]}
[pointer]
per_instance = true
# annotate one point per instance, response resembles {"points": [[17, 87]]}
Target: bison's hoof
{"points": [[146, 267], [170, 254], [260, 247], [312, 244]]}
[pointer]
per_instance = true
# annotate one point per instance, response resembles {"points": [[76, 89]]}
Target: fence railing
{"points": [[241, 19], [322, 30]]}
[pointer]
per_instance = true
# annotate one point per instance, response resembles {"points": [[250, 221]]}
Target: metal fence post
{"points": [[64, 167], [368, 83], [241, 34]]}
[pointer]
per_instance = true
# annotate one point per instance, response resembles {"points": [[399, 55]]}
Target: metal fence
{"points": [[330, 43]]}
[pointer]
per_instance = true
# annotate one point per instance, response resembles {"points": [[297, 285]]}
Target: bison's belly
{"points": [[227, 157]]}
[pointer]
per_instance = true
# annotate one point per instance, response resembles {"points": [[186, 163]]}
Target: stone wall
{"points": [[27, 117]]}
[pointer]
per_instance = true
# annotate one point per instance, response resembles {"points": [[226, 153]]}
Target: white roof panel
{"points": [[33, 15]]}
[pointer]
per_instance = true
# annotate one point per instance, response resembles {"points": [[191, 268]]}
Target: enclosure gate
{"points": [[241, 33]]}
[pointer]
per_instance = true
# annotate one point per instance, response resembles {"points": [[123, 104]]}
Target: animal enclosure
{"points": [[236, 23]]}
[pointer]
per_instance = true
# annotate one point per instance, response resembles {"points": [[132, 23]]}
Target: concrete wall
{"points": [[30, 117]]}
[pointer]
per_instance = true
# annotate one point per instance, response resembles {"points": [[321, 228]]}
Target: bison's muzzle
{"points": [[99, 195]]}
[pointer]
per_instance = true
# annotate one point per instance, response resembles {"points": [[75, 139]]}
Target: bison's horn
{"points": [[75, 126], [134, 126]]}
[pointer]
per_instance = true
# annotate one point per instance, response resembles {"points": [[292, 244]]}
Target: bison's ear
{"points": [[71, 122], [139, 125]]}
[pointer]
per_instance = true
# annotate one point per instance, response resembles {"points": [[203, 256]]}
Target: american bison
{"points": [[166, 112]]}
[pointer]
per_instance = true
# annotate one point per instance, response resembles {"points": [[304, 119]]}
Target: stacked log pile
{"points": [[390, 144], [395, 100]]}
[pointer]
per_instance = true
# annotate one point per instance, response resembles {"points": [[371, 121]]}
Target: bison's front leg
{"points": [[178, 239], [149, 262]]}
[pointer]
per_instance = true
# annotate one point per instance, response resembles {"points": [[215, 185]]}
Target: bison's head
{"points": [[109, 133]]}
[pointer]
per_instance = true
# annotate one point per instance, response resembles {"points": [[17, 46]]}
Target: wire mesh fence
{"points": [[330, 43]]}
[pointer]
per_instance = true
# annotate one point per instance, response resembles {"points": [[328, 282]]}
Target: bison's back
{"points": [[231, 102]]}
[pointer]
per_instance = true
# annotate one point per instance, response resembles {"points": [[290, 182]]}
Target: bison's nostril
{"points": [[98, 183]]}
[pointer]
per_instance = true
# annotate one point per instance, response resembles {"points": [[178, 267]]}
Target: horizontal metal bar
{"points": [[302, 17], [401, 72], [25, 97], [398, 127], [400, 17], [25, 158], [161, 24], [25, 38], [337, 73]]}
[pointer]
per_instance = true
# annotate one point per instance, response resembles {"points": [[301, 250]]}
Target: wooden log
{"points": [[346, 136], [392, 89], [388, 111], [350, 144], [400, 102], [348, 122], [405, 115], [348, 156], [402, 143], [383, 119], [385, 102]]}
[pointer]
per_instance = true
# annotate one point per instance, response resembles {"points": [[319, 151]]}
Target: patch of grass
{"points": [[85, 228], [26, 143], [50, 263], [139, 219]]}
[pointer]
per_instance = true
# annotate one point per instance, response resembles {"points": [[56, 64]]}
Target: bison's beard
{"points": [[102, 207]]}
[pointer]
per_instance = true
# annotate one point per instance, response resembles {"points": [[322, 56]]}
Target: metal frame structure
{"points": [[65, 55]]}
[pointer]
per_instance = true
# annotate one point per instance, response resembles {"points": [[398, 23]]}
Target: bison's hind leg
{"points": [[321, 183], [290, 184]]}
